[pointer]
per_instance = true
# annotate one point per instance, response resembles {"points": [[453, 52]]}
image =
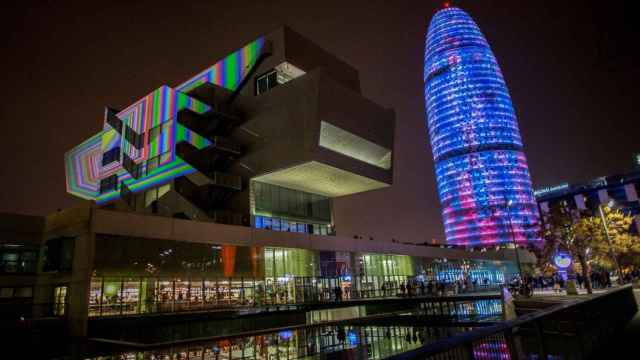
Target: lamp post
{"points": [[611, 252], [513, 238]]}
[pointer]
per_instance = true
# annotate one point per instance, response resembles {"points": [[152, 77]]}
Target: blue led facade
{"points": [[482, 174]]}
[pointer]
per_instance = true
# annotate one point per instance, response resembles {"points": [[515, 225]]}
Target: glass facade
{"points": [[283, 224], [129, 256], [138, 276], [280, 209], [482, 174], [18, 259]]}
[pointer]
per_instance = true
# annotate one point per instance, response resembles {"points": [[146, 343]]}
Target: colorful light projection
{"points": [[155, 111], [154, 116], [82, 168], [482, 174], [228, 72]]}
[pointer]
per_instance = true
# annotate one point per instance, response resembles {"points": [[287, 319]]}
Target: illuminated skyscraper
{"points": [[482, 174]]}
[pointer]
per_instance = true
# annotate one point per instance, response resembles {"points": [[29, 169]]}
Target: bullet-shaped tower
{"points": [[481, 170]]}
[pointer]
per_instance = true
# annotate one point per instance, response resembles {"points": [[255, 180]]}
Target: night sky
{"points": [[569, 66]]}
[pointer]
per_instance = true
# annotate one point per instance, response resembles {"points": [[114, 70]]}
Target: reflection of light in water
{"points": [[380, 342], [352, 337], [491, 350], [286, 335]]}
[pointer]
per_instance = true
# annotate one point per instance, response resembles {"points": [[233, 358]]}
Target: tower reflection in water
{"points": [[369, 342]]}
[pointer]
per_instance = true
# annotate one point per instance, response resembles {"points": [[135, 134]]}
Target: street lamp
{"points": [[606, 232], [513, 238]]}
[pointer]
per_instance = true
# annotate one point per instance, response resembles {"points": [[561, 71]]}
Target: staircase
{"points": [[212, 186]]}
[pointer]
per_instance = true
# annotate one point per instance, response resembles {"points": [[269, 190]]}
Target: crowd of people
{"points": [[414, 287], [600, 279]]}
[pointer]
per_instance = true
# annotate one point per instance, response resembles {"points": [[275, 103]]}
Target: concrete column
{"points": [[603, 196], [630, 192], [78, 298], [579, 199]]}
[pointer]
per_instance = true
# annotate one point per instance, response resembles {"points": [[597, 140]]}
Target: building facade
{"points": [[481, 170], [615, 191], [217, 193], [266, 136]]}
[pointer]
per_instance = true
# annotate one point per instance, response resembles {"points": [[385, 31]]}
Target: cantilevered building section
{"points": [[482, 174], [266, 137]]}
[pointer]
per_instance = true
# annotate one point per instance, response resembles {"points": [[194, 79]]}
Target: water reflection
{"points": [[365, 342]]}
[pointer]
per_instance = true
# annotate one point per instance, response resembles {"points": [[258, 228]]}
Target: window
{"points": [[58, 254], [266, 82], [109, 184], [155, 194], [152, 164], [6, 292], [60, 300], [154, 133], [111, 156], [133, 137], [165, 158], [131, 166], [24, 292]]}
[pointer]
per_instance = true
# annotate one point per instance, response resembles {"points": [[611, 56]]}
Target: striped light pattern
{"points": [[482, 174], [153, 110], [84, 168], [229, 71]]}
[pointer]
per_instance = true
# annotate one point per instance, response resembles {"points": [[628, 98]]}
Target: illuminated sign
{"points": [[550, 189], [562, 260]]}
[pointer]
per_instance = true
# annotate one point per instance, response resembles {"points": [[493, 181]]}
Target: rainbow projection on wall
{"points": [[153, 116], [482, 174]]}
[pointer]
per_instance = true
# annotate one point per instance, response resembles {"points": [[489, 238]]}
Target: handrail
{"points": [[481, 333]]}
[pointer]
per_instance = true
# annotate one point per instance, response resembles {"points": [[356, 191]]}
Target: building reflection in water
{"points": [[369, 342]]}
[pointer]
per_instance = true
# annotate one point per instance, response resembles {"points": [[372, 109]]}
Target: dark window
{"points": [[132, 168], [111, 156], [58, 254], [133, 137], [266, 82], [108, 184]]}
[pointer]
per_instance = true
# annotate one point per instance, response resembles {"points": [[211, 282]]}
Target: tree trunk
{"points": [[585, 273]]}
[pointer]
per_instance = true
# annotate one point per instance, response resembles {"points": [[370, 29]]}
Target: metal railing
{"points": [[571, 330]]}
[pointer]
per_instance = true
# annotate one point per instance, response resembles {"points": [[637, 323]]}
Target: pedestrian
{"points": [[422, 288], [402, 288]]}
